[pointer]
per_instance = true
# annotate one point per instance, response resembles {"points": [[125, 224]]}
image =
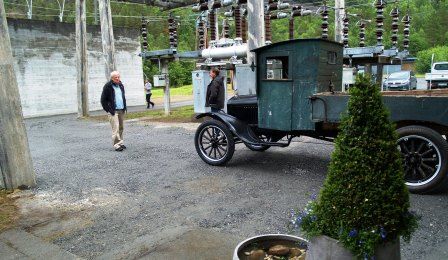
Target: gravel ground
{"points": [[92, 200]]}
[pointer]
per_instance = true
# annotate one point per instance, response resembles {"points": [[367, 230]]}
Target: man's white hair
{"points": [[114, 73]]}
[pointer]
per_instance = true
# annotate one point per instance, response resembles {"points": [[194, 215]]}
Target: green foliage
{"points": [[180, 73], [364, 201], [423, 63]]}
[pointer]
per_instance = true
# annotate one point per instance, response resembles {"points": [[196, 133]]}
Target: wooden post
{"points": [[81, 59], [255, 15], [16, 167], [166, 90], [107, 36], [379, 74]]}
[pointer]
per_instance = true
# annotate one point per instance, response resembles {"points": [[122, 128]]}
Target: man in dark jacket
{"points": [[114, 103], [215, 91]]}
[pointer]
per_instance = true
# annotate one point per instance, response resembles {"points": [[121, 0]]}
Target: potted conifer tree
{"points": [[363, 208]]}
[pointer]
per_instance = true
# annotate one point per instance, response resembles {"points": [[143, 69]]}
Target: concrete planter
{"points": [[266, 241], [327, 248]]}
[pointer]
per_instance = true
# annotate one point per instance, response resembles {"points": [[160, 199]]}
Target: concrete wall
{"points": [[45, 66]]}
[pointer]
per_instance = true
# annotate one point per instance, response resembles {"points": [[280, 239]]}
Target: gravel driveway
{"points": [[98, 203]]}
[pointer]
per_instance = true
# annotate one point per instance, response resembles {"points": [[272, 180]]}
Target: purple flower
{"points": [[353, 233], [299, 220], [313, 196], [383, 233]]}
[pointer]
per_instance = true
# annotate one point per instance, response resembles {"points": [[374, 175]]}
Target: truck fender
{"points": [[236, 126]]}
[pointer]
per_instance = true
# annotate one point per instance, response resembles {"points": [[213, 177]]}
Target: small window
{"points": [[331, 57], [277, 68]]}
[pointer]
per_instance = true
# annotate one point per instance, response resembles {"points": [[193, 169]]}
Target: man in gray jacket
{"points": [[215, 91]]}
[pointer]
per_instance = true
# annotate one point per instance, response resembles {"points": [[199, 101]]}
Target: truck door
{"points": [[275, 87]]}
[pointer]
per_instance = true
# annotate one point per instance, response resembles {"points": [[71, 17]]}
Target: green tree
{"points": [[364, 201], [423, 63]]}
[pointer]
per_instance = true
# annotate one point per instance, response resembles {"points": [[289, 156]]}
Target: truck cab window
{"points": [[277, 68]]}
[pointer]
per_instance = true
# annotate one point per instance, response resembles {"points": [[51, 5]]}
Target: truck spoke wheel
{"points": [[214, 142], [425, 156]]}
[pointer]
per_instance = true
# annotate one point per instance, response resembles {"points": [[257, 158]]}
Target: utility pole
{"points": [[339, 20], [107, 36], [255, 14], [29, 14], [16, 167], [81, 59], [166, 90]]}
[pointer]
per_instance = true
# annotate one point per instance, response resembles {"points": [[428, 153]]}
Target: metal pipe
{"points": [[239, 51]]}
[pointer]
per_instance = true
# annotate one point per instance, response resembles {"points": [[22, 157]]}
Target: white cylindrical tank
{"points": [[226, 52]]}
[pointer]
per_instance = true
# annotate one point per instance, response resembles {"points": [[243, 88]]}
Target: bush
{"points": [[423, 63], [364, 201]]}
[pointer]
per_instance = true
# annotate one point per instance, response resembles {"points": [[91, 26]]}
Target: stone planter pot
{"points": [[267, 241], [327, 248]]}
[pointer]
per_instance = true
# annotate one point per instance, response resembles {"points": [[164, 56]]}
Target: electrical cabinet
{"points": [[201, 79], [159, 81]]}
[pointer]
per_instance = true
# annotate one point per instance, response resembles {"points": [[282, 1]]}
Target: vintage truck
{"points": [[438, 77], [299, 85]]}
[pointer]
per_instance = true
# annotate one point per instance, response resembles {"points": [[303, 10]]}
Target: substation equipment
{"points": [[216, 48]]}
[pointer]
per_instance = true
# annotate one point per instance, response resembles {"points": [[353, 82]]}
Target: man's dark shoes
{"points": [[123, 146], [119, 149]]}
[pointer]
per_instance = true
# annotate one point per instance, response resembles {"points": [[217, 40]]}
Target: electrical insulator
{"points": [[201, 35], [379, 5], [240, 2], [225, 3], [291, 28], [279, 15], [395, 17], [144, 34], [229, 14], [172, 29], [226, 29], [202, 6], [296, 11], [237, 17], [346, 21], [362, 34], [244, 26], [282, 6], [407, 24], [324, 25], [216, 4], [212, 24], [267, 25]]}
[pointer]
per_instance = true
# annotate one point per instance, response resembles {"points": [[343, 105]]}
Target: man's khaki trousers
{"points": [[116, 122]]}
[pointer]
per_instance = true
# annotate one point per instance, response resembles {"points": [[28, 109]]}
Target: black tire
{"points": [[425, 155], [214, 142]]}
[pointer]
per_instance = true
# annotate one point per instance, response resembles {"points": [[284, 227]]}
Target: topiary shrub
{"points": [[364, 201]]}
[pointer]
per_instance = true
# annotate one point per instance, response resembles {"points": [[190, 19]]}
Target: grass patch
{"points": [[180, 91], [179, 114], [8, 211]]}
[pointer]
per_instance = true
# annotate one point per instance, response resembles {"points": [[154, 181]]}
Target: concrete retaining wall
{"points": [[45, 66]]}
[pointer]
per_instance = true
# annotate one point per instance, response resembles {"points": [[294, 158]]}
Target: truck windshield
{"points": [[443, 66], [399, 75]]}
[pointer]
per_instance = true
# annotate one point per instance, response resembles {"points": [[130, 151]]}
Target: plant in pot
{"points": [[363, 207]]}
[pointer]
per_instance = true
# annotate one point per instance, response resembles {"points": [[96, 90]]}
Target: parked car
{"points": [[401, 80], [438, 78]]}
